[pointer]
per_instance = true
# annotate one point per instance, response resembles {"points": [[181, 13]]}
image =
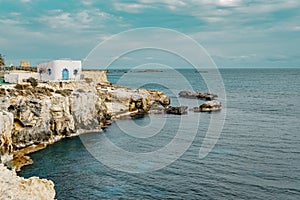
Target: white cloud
{"points": [[25, 1], [86, 2], [83, 19], [168, 2], [268, 7], [130, 7], [228, 3], [14, 14], [296, 28], [9, 22]]}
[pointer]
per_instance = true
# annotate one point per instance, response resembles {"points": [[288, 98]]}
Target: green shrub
{"points": [[32, 81]]}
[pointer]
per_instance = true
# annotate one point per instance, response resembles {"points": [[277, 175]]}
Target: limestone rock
{"points": [[6, 127], [197, 95], [18, 188], [177, 110], [96, 76], [209, 106], [121, 100], [55, 110]]}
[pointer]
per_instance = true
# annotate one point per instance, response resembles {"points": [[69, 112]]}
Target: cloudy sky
{"points": [[236, 33]]}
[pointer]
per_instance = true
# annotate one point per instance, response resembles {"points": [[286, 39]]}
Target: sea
{"points": [[253, 151]]}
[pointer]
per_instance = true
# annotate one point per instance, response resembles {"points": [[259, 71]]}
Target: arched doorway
{"points": [[65, 74]]}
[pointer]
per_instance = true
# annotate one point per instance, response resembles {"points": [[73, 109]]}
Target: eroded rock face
{"points": [[6, 127], [40, 117], [180, 110], [96, 75], [30, 116], [14, 187], [121, 100]]}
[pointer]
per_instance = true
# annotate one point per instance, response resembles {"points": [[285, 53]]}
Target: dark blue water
{"points": [[256, 157]]}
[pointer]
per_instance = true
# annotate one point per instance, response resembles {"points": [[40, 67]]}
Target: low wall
{"points": [[19, 77]]}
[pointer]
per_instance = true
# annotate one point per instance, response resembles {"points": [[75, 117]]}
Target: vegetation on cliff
{"points": [[2, 60]]}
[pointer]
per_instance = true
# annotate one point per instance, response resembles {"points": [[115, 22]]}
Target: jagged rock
{"points": [[198, 95], [157, 108], [123, 100], [160, 97], [209, 106], [177, 110], [15, 187]]}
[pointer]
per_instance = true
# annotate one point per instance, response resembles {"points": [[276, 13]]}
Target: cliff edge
{"points": [[33, 117], [18, 188]]}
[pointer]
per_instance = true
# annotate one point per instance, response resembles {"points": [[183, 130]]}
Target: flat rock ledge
{"points": [[18, 188], [197, 95]]}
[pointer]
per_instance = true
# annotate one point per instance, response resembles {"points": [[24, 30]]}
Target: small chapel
{"points": [[60, 70]]}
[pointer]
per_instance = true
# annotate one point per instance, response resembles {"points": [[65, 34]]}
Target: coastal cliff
{"points": [[35, 116]]}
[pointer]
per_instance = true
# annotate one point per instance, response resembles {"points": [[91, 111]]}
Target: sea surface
{"points": [[257, 155]]}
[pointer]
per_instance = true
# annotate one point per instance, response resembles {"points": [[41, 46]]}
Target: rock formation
{"points": [[6, 127], [97, 76], [31, 116], [177, 110], [198, 95], [209, 106], [14, 187]]}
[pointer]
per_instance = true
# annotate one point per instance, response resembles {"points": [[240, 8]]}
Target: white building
{"points": [[58, 70], [19, 76]]}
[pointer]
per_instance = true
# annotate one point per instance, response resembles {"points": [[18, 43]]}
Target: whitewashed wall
{"points": [[53, 70], [19, 77]]}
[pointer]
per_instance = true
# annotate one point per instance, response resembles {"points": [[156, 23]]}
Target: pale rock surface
{"points": [[210, 106], [52, 111], [18, 188], [96, 76], [6, 125]]}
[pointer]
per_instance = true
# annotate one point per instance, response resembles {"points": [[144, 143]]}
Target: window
{"points": [[49, 71], [75, 72]]}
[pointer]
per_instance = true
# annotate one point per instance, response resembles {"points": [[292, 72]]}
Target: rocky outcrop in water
{"points": [[209, 106], [198, 95], [14, 187], [180, 110]]}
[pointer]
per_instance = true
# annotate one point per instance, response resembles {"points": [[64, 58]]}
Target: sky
{"points": [[235, 33]]}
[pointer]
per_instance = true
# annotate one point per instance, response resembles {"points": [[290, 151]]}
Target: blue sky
{"points": [[236, 33]]}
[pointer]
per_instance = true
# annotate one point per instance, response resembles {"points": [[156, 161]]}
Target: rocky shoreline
{"points": [[33, 117]]}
